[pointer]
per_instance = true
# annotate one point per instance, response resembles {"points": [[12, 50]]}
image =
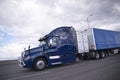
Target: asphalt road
{"points": [[103, 69]]}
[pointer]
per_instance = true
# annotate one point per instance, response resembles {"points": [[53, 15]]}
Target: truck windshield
{"points": [[43, 42]]}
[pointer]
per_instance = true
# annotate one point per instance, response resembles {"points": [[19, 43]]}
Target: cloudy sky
{"points": [[23, 22]]}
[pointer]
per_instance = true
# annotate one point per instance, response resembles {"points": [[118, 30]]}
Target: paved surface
{"points": [[103, 69]]}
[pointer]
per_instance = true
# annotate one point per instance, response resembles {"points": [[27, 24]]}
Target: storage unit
{"points": [[82, 42], [100, 39]]}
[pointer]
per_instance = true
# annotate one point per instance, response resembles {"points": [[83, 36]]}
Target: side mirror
{"points": [[24, 49], [29, 47]]}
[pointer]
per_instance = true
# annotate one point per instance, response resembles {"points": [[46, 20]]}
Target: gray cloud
{"points": [[72, 12]]}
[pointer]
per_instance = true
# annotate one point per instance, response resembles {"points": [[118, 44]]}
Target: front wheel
{"points": [[39, 64]]}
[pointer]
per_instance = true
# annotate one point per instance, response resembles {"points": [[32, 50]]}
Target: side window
{"points": [[52, 42]]}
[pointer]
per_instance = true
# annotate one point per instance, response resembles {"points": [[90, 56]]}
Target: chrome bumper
{"points": [[21, 62]]}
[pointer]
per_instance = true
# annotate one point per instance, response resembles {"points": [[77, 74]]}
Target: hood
{"points": [[33, 51], [36, 50]]}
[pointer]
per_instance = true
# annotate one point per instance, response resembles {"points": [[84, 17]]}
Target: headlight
{"points": [[27, 58]]}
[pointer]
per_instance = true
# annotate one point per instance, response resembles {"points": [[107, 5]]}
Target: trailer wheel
{"points": [[97, 56], [102, 54], [39, 64], [107, 54]]}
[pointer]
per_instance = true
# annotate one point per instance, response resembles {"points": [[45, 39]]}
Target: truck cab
{"points": [[58, 47]]}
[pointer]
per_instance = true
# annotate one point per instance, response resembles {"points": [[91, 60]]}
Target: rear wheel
{"points": [[97, 56], [107, 54], [39, 64], [102, 54]]}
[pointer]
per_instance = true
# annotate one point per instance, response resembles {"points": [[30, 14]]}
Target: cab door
{"points": [[54, 55]]}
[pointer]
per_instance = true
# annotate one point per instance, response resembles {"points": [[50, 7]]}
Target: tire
{"points": [[107, 54], [92, 55], [84, 57], [97, 56], [39, 64], [102, 55]]}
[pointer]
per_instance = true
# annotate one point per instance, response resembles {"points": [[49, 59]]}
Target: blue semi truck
{"points": [[66, 45]]}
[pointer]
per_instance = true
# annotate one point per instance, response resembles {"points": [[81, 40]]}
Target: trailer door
{"points": [[82, 42]]}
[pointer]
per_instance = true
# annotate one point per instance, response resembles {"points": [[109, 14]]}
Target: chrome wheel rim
{"points": [[97, 56], [103, 55], [40, 64]]}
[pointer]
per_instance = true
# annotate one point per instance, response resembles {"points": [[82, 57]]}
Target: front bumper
{"points": [[25, 63], [21, 62]]}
